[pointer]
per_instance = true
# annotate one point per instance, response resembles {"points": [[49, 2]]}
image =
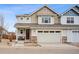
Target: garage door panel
{"points": [[48, 37], [75, 37]]}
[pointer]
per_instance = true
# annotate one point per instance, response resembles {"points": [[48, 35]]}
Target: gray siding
{"points": [[71, 13]]}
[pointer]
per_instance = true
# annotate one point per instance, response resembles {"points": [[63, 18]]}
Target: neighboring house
{"points": [[70, 20], [46, 26], [11, 35], [4, 34]]}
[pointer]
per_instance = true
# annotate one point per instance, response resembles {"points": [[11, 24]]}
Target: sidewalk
{"points": [[44, 49], [45, 46]]}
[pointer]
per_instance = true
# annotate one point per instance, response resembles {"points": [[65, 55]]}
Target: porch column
{"points": [[34, 36], [64, 36], [16, 35], [20, 33]]}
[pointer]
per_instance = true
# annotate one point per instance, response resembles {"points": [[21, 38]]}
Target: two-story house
{"points": [[70, 20], [47, 26]]}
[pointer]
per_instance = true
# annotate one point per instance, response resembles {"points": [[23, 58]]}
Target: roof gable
{"points": [[71, 13], [45, 9], [74, 11]]}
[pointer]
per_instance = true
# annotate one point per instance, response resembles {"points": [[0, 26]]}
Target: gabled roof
{"points": [[39, 10], [69, 9], [46, 7]]}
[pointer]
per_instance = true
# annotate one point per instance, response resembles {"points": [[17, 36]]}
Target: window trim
{"points": [[46, 18], [70, 20]]}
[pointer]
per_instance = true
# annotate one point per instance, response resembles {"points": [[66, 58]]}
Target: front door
{"points": [[27, 34]]}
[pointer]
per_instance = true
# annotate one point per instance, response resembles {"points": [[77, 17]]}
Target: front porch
{"points": [[25, 35]]}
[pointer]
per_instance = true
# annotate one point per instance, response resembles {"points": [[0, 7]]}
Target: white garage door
{"points": [[75, 36], [49, 36]]}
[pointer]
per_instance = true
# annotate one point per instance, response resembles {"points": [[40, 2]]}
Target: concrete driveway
{"points": [[44, 49], [59, 46]]}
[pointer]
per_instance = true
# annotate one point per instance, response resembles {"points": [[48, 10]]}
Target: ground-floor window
{"points": [[40, 31], [21, 38], [58, 31], [75, 31], [49, 31], [46, 31]]}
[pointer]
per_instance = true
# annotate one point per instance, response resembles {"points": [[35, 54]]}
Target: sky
{"points": [[9, 12]]}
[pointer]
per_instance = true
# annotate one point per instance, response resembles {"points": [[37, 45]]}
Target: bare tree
{"points": [[0, 35], [6, 26], [1, 26]]}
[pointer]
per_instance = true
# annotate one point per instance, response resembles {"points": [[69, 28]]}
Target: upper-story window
{"points": [[46, 19], [21, 18], [70, 20], [27, 18]]}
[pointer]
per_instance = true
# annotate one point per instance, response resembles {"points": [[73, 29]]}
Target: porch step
{"points": [[31, 44], [18, 44], [22, 43]]}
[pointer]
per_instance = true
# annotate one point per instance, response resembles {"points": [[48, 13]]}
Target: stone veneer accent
{"points": [[33, 39], [64, 39]]}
